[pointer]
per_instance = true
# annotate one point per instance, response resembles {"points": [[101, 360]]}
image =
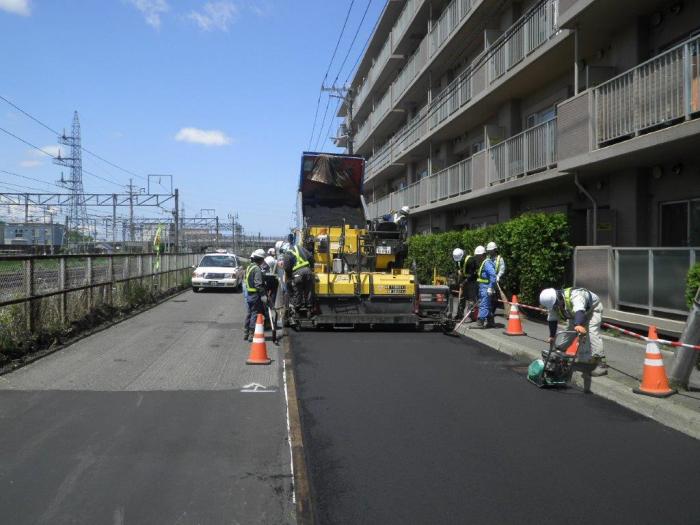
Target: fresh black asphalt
{"points": [[423, 428]]}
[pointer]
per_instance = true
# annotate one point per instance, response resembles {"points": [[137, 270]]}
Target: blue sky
{"points": [[221, 93]]}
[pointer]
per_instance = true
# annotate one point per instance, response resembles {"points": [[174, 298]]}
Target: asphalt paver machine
{"points": [[360, 272]]}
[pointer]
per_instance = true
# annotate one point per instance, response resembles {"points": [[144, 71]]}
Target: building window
{"points": [[19, 233], [680, 223]]}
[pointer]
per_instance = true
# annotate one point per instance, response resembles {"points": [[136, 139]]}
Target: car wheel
{"points": [[195, 289]]}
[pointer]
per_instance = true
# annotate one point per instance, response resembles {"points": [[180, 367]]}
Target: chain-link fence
{"points": [[45, 295]]}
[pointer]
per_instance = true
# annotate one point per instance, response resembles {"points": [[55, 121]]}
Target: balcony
{"points": [[533, 150], [524, 38], [389, 50], [636, 113]]}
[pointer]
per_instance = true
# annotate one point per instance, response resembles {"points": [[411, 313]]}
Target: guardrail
{"points": [[657, 92], [524, 37], [57, 290]]}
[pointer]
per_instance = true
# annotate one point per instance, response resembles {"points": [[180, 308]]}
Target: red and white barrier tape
{"points": [[613, 327]]}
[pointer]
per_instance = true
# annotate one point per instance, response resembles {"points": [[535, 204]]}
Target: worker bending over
{"points": [[299, 277], [467, 268], [583, 311]]}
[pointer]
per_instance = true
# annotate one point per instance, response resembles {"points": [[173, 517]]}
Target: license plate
{"points": [[384, 250], [215, 283]]}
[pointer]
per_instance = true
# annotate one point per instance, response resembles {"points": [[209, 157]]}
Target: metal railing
{"points": [[411, 70], [527, 35], [532, 150], [57, 290], [528, 152], [655, 93]]}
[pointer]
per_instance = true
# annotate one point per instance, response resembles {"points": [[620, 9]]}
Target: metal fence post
{"points": [[62, 287], [127, 275], [88, 281], [651, 282], [687, 82], [29, 293], [110, 280]]}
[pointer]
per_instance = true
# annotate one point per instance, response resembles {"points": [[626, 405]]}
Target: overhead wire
{"points": [[325, 77], [49, 128]]}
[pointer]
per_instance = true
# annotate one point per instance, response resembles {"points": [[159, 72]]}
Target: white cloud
{"points": [[31, 163], [211, 137], [215, 15], [17, 7], [151, 10]]}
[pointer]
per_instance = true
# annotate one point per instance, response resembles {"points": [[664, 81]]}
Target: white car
{"points": [[217, 270]]}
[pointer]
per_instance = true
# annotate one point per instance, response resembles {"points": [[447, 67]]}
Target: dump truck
{"points": [[360, 272]]}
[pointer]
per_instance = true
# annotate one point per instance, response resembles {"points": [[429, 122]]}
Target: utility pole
{"points": [[177, 220], [346, 94], [131, 210], [217, 231]]}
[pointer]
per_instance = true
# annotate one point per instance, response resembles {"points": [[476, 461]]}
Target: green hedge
{"points": [[692, 283], [536, 248]]}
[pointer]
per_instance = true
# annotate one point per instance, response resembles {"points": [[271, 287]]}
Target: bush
{"points": [[692, 283], [535, 246]]}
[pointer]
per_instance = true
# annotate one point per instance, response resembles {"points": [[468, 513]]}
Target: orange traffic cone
{"points": [[514, 327], [654, 380], [258, 350]]}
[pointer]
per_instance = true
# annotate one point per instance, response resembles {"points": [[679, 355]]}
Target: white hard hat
{"points": [[457, 254], [284, 247], [548, 298], [271, 251], [405, 210], [491, 246], [479, 250], [258, 254], [270, 261], [278, 245]]}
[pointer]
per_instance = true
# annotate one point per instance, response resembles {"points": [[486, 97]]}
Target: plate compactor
{"points": [[555, 367]]}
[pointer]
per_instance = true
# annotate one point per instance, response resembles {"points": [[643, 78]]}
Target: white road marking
{"points": [[289, 428], [257, 387]]}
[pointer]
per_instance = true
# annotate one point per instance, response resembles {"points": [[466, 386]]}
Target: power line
{"points": [[46, 126], [325, 77], [352, 43], [54, 157]]}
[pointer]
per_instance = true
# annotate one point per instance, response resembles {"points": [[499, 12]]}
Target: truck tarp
{"points": [[330, 187]]}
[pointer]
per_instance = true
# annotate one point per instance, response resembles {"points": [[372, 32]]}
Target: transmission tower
{"points": [[77, 215]]}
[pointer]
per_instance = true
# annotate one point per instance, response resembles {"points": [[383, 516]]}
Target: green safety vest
{"points": [[497, 263], [300, 261], [569, 305], [481, 269], [248, 271], [464, 264]]}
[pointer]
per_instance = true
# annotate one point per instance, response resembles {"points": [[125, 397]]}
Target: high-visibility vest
{"points": [[300, 261], [464, 264], [251, 288], [569, 305], [480, 279], [498, 262]]}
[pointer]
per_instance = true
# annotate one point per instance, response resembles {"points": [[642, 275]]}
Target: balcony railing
{"points": [[527, 35], [655, 93], [411, 70], [532, 150], [449, 20], [528, 152]]}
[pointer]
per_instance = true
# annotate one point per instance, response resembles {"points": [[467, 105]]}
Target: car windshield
{"points": [[220, 261]]}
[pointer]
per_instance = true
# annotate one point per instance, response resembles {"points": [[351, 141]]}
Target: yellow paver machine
{"points": [[359, 264]]}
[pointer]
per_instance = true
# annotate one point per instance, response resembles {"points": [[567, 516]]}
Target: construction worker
{"points": [[583, 311], [500, 265], [256, 298], [299, 277], [466, 279], [271, 252], [401, 217], [486, 277]]}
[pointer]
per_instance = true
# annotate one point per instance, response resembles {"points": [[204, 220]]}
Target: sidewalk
{"points": [[625, 358]]}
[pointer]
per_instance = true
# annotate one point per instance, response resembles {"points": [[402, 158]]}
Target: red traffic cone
{"points": [[514, 327], [258, 350], [654, 380]]}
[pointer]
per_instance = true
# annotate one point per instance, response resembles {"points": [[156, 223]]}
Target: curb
{"points": [[673, 416]]}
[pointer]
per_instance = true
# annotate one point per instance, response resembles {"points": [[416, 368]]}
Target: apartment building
{"points": [[471, 112]]}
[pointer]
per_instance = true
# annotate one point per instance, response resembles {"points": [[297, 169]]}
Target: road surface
{"points": [[147, 422], [426, 429]]}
